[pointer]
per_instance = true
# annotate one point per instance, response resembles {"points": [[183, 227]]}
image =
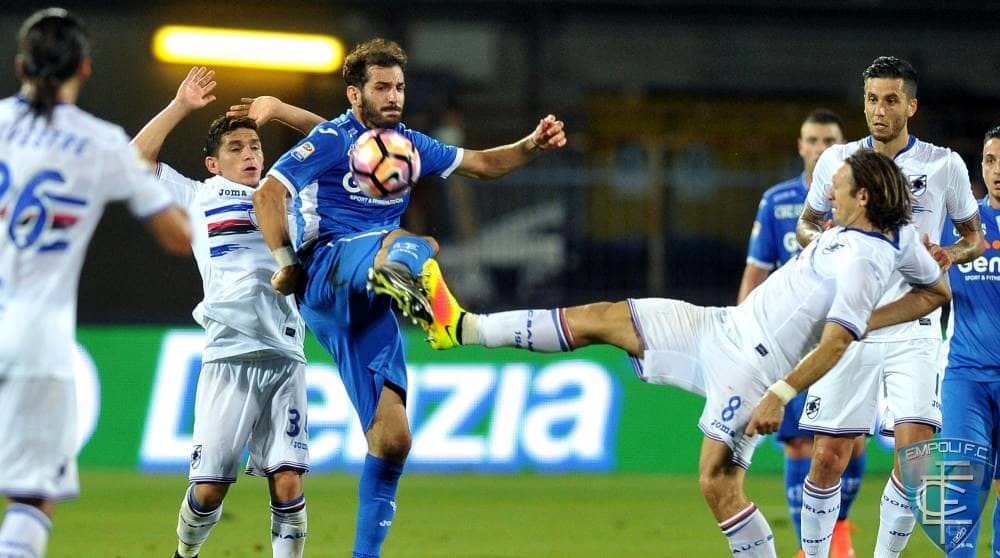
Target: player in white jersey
{"points": [[902, 360], [59, 167], [740, 357], [251, 390]]}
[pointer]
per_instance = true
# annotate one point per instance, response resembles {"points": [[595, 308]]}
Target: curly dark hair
{"points": [[51, 45], [893, 68], [374, 52], [890, 205], [222, 126]]}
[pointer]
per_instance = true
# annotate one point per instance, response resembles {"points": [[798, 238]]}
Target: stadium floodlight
{"points": [[214, 46]]}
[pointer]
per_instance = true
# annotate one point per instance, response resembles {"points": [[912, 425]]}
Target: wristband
{"points": [[783, 390], [285, 256]]}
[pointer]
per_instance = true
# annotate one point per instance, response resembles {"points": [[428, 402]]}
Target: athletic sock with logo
{"points": [[376, 505], [194, 523], [796, 470], [749, 534], [411, 251], [24, 532], [896, 520], [288, 528], [851, 480], [544, 331], [819, 515]]}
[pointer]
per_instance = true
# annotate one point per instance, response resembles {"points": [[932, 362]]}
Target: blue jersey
{"points": [[974, 353], [328, 203], [772, 240]]}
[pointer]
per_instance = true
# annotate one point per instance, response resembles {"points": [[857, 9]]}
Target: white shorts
{"points": [[38, 447], [845, 400], [689, 347], [256, 403]]}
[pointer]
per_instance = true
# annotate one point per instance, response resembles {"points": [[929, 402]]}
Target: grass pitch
{"points": [[127, 515]]}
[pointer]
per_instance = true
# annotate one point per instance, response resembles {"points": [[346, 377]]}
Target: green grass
{"points": [[131, 515]]}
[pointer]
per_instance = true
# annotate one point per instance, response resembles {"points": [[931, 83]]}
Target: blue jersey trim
{"points": [[895, 237], [870, 144]]}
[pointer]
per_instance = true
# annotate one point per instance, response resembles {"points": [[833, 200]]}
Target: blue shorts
{"points": [[358, 328], [790, 424], [971, 411]]}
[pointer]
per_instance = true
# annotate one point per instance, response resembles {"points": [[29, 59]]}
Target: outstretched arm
{"points": [[265, 109], [767, 415], [915, 304], [194, 93], [498, 161]]}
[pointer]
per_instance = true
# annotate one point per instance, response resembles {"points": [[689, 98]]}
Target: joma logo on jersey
{"points": [[833, 248], [918, 184], [227, 193]]}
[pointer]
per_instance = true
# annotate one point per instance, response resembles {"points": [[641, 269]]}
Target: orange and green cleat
{"points": [[442, 331]]}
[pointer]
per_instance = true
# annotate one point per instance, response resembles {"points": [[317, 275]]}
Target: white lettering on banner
{"points": [[562, 416]]}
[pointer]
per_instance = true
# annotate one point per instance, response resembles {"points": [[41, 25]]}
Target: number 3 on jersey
{"points": [[30, 213]]}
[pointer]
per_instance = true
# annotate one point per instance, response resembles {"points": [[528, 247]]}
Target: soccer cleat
{"points": [[394, 280], [800, 554], [442, 331], [841, 546], [177, 555]]}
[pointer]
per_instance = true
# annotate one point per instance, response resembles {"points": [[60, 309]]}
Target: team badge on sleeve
{"points": [[303, 151], [947, 481]]}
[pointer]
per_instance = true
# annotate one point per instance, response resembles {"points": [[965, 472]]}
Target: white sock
{"points": [[194, 525], [544, 331], [288, 528], [748, 534], [820, 507], [24, 532], [896, 521]]}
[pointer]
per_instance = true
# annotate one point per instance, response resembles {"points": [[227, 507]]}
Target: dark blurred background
{"points": [[680, 114]]}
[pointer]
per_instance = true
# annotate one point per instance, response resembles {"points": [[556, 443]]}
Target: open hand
{"points": [[262, 109], [196, 90], [549, 134]]}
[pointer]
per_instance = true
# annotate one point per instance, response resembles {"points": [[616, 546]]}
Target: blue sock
{"points": [[411, 251], [376, 505], [851, 480], [795, 476]]}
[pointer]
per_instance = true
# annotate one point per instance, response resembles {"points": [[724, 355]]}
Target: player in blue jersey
{"points": [[342, 234], [970, 393], [772, 243]]}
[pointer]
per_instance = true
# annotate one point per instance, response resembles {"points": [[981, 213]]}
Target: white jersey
{"points": [[940, 186], [838, 278], [241, 312], [55, 179]]}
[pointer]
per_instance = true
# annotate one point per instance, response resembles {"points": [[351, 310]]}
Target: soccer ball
{"points": [[385, 164]]}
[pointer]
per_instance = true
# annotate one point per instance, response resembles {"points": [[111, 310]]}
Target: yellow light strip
{"points": [[211, 46]]}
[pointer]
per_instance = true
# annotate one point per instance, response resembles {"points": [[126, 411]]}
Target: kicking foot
{"points": [[394, 280], [443, 330]]}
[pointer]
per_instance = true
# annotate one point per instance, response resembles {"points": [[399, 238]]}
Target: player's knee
{"points": [[286, 485], [829, 459], [395, 446], [210, 495]]}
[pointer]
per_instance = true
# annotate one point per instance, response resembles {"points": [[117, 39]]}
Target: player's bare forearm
{"points": [[194, 92], [809, 225], [832, 345], [913, 305], [269, 206], [498, 161], [172, 229], [753, 276], [150, 139], [266, 108], [970, 246]]}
